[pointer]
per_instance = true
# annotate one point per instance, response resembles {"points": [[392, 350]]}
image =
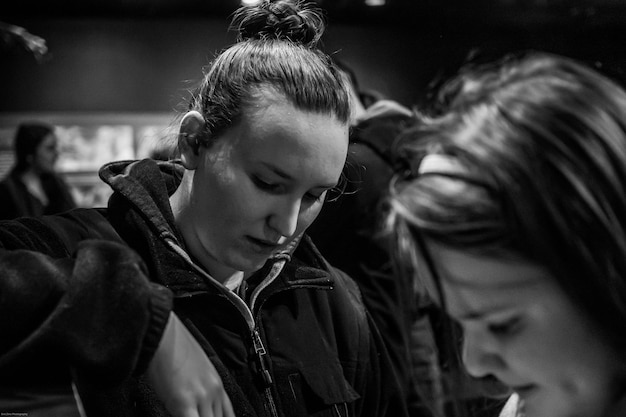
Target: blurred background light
{"points": [[375, 3]]}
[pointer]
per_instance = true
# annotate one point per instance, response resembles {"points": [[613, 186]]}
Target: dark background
{"points": [[143, 55]]}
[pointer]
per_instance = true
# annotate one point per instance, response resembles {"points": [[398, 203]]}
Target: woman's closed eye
{"points": [[277, 188], [315, 197], [266, 185], [505, 328]]}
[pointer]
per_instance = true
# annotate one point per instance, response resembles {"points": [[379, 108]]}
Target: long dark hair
{"points": [[27, 139]]}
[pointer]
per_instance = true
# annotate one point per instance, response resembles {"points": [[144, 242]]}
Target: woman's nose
{"points": [[481, 356], [284, 219]]}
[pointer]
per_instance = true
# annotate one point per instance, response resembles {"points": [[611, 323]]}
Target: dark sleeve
{"points": [[92, 307], [376, 380]]}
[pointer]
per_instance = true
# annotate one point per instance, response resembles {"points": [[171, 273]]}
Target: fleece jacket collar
{"points": [[147, 185]]}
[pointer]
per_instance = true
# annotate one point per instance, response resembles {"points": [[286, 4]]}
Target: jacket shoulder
{"points": [[344, 286]]}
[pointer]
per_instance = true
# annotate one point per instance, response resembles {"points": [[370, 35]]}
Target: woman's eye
{"points": [[278, 188], [264, 185], [505, 328], [314, 197]]}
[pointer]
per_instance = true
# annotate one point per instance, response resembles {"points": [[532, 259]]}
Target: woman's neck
{"points": [[179, 203], [34, 186]]}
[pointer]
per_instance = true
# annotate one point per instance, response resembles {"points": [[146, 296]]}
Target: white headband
{"points": [[440, 164]]}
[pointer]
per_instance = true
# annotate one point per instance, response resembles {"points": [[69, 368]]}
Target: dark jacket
{"points": [[302, 341], [17, 201]]}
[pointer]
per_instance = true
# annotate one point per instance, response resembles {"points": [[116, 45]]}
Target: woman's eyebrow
{"points": [[284, 175]]}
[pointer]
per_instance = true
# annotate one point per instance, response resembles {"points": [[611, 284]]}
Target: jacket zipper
{"points": [[263, 371], [259, 349]]}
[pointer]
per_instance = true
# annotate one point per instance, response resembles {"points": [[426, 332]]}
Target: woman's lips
{"points": [[525, 391], [262, 244]]}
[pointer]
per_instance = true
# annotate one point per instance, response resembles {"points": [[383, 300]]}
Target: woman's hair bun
{"points": [[295, 20]]}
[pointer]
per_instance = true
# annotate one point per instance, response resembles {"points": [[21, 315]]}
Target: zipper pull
{"points": [[261, 358]]}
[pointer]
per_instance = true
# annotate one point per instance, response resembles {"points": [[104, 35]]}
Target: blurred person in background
{"points": [[32, 187]]}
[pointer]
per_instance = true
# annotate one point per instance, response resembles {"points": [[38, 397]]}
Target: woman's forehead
{"points": [[474, 285], [471, 272], [471, 268], [293, 140]]}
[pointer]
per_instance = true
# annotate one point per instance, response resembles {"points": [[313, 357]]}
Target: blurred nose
{"points": [[284, 219], [481, 355]]}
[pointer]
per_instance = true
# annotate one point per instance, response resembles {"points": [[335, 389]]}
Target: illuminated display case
{"points": [[87, 141]]}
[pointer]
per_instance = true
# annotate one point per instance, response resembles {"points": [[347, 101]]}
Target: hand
{"points": [[184, 378], [35, 44], [13, 34]]}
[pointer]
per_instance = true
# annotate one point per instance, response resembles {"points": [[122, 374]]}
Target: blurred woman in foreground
{"points": [[513, 215]]}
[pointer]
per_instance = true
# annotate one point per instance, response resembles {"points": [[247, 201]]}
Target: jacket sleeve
{"points": [[91, 306], [376, 380], [393, 400]]}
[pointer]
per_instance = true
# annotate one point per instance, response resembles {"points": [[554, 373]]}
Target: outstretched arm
{"points": [[97, 311]]}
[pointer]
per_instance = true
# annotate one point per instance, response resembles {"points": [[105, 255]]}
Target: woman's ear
{"points": [[189, 138]]}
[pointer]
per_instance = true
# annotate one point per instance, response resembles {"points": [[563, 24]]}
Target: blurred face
{"points": [[261, 184], [46, 154], [521, 328]]}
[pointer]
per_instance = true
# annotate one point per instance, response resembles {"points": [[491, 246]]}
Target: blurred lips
{"points": [[494, 388], [525, 391], [263, 245]]}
